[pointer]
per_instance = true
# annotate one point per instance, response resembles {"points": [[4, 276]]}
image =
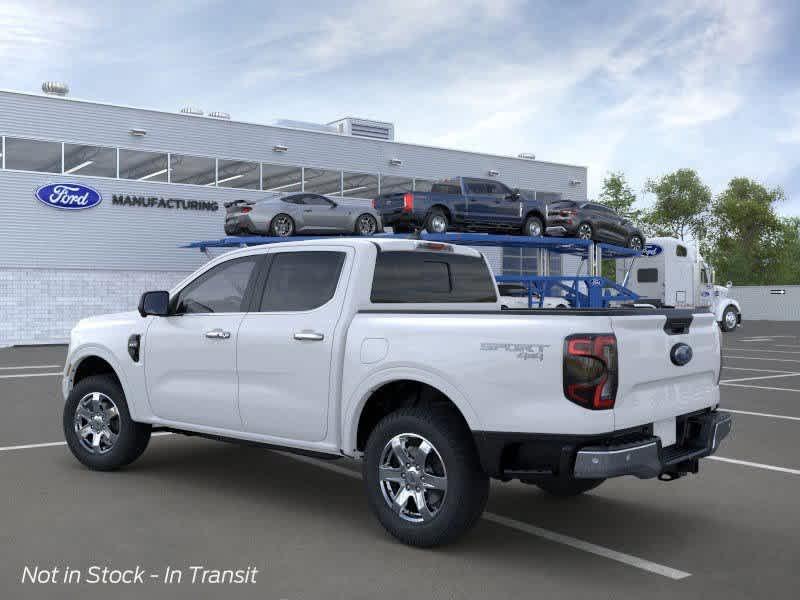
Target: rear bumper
{"points": [[398, 217], [634, 452]]}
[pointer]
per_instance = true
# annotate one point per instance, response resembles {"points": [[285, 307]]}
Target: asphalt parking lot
{"points": [[732, 531]]}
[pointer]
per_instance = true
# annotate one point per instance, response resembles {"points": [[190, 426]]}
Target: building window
{"points": [[33, 155], [323, 181], [144, 166], [280, 178], [396, 185], [360, 185], [95, 161], [195, 170], [238, 174]]}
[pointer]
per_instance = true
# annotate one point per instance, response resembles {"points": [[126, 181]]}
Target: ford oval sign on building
{"points": [[69, 196]]}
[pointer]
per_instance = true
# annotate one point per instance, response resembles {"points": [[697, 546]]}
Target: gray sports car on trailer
{"points": [[283, 215]]}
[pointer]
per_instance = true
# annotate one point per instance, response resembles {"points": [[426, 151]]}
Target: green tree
{"points": [[618, 195], [681, 205], [749, 243]]}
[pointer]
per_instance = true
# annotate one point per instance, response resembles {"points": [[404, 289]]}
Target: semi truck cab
{"points": [[672, 273]]}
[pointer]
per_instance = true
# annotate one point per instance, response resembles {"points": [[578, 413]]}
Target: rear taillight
{"points": [[408, 202], [375, 203], [590, 370], [246, 209]]}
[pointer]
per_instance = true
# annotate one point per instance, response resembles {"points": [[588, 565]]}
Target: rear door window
{"points": [[299, 281], [647, 275], [403, 277]]}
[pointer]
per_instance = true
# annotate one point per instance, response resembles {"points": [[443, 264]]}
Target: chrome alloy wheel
{"points": [[636, 243], [438, 224], [282, 226], [97, 423], [412, 477], [367, 225], [534, 228], [585, 231], [730, 319]]}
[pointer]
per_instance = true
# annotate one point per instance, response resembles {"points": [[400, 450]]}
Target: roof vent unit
{"points": [[55, 88], [192, 110], [216, 114], [375, 130], [303, 125], [527, 155]]}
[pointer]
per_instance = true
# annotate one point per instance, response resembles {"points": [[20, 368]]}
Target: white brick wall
{"points": [[40, 306]]}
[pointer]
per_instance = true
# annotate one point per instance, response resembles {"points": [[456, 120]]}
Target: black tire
{"points": [[467, 484], [232, 230], [276, 226], [726, 318], [360, 230], [132, 437], [636, 242], [532, 224], [585, 227], [566, 487], [435, 217]]}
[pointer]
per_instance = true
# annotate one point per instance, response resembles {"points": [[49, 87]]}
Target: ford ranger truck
{"points": [[397, 352], [464, 204]]}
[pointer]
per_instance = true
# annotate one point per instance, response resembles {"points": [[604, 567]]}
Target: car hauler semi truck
{"points": [[672, 273]]}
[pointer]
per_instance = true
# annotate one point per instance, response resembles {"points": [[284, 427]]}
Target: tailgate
{"points": [[389, 203], [652, 389]]}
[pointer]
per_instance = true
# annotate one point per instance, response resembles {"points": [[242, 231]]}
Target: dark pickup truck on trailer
{"points": [[464, 204]]}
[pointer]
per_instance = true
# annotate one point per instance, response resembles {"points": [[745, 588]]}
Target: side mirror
{"points": [[729, 285], [154, 303], [333, 204]]}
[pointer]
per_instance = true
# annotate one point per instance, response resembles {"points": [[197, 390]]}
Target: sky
{"points": [[639, 87]]}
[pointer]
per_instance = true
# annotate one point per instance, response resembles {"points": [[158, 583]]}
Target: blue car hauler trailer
{"points": [[591, 290]]}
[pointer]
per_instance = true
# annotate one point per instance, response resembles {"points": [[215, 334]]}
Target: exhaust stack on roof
{"points": [[55, 88]]}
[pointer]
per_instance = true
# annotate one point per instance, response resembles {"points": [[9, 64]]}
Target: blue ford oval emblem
{"points": [[69, 196], [652, 250], [680, 354]]}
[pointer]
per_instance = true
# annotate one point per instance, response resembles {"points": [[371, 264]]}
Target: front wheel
{"points": [[366, 224], [730, 319], [566, 487], [533, 227], [98, 426], [635, 242], [423, 476]]}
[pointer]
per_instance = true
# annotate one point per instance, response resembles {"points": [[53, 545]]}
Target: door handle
{"points": [[218, 334], [309, 336]]}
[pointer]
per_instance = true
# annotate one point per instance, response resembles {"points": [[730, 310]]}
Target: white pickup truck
{"points": [[397, 352]]}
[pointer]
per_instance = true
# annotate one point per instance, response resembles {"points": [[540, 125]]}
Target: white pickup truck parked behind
{"points": [[397, 352]]}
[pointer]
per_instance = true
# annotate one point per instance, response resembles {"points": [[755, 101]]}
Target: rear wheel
{"points": [[282, 226], [98, 427], [437, 221], [366, 224], [730, 319], [584, 231], [565, 487], [423, 477], [533, 227]]}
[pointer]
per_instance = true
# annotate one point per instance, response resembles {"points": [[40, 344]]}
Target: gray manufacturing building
{"points": [[163, 178]]}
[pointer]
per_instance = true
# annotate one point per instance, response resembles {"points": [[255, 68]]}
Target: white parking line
{"points": [[560, 538], [51, 444], [791, 360], [759, 387], [762, 350], [31, 375], [756, 370], [759, 414], [31, 367], [747, 463], [759, 377]]}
